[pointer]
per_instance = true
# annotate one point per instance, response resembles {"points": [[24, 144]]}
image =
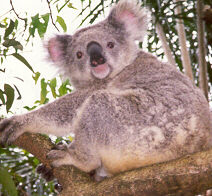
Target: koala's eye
{"points": [[110, 45], [79, 54]]}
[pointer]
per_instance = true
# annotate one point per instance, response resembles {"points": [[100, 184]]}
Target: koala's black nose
{"points": [[94, 50]]}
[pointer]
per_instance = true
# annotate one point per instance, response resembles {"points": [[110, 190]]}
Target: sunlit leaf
{"points": [[29, 108], [36, 77], [70, 5], [53, 84], [9, 92], [63, 88], [23, 60], [62, 23], [44, 91]]}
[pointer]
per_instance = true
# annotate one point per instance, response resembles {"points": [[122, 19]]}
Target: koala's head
{"points": [[101, 51]]}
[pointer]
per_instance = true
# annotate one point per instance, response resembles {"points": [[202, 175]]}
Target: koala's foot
{"points": [[10, 129], [45, 172], [95, 176]]}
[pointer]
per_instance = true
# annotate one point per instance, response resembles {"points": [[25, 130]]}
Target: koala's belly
{"points": [[154, 145]]}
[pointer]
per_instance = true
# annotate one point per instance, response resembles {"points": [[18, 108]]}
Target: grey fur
{"points": [[141, 112]]}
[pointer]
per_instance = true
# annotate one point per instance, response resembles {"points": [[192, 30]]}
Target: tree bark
{"points": [[203, 81], [186, 61], [189, 175], [165, 45]]}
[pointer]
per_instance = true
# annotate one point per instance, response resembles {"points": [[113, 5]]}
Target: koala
{"points": [[128, 109]]}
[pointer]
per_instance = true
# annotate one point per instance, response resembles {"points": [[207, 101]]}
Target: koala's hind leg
{"points": [[77, 155]]}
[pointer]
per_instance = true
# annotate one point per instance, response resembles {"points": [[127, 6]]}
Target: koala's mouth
{"points": [[100, 71]]}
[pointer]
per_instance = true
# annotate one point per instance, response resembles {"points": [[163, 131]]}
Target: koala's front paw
{"points": [[10, 129], [59, 156]]}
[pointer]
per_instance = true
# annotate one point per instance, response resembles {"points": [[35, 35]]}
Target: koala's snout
{"points": [[94, 50]]}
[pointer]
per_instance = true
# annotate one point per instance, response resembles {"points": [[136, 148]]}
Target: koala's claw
{"points": [[4, 123], [58, 157], [6, 137], [7, 130], [56, 154]]}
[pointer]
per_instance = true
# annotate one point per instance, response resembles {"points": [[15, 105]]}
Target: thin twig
{"points": [[6, 13], [50, 10], [24, 19]]}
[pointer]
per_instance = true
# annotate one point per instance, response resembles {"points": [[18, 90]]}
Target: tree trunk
{"points": [[203, 81], [165, 45], [186, 61]]}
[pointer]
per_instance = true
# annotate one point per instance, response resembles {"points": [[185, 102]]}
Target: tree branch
{"points": [[165, 46], [24, 19], [201, 49], [50, 12], [182, 41], [189, 175]]}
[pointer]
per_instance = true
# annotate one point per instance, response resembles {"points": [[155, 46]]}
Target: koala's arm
{"points": [[54, 118]]}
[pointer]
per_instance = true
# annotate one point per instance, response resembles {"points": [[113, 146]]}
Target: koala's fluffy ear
{"points": [[57, 47], [130, 14]]}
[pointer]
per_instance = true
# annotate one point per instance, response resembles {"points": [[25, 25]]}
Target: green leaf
{"points": [[8, 185], [2, 97], [9, 91], [2, 25], [12, 42], [70, 5], [42, 27], [44, 91], [53, 84], [23, 60], [63, 88], [36, 77], [36, 161], [9, 30], [19, 94], [59, 139], [29, 109], [34, 24], [62, 23], [37, 24], [16, 24]]}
